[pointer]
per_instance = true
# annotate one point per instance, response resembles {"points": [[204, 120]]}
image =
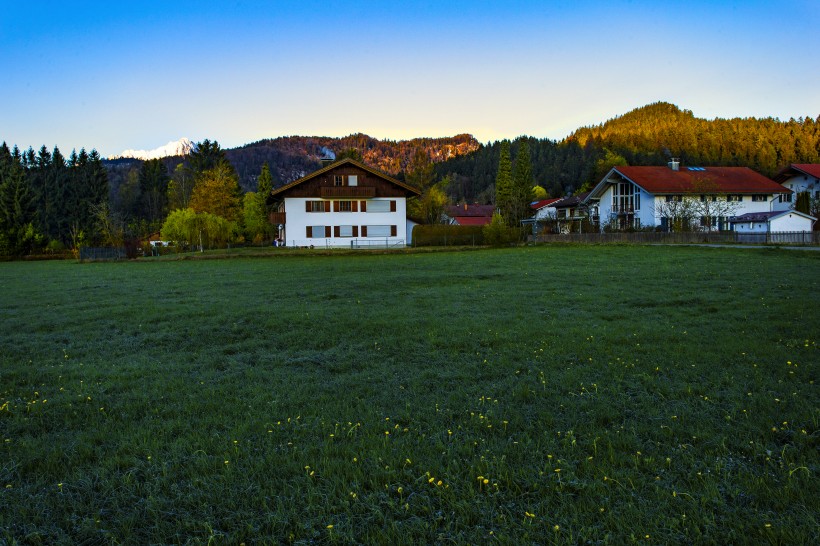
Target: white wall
{"points": [[297, 221], [754, 227], [791, 222]]}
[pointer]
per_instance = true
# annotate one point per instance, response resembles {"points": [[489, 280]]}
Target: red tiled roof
{"points": [[544, 203], [484, 211], [731, 180], [472, 220], [811, 169]]}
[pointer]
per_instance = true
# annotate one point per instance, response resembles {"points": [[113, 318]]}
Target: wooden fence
{"points": [[102, 253], [657, 237]]}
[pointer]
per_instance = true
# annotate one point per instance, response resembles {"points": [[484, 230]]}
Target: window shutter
{"points": [[355, 231], [308, 232], [335, 206], [392, 206], [364, 206], [393, 229], [337, 232], [307, 208], [327, 231], [364, 231], [327, 206], [354, 206]]}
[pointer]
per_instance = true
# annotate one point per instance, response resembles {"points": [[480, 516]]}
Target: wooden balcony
{"points": [[347, 191], [277, 218]]}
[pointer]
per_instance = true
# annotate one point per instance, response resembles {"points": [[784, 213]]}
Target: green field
{"points": [[533, 395]]}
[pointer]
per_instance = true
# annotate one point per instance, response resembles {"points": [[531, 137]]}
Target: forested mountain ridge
{"points": [[649, 135], [292, 157]]}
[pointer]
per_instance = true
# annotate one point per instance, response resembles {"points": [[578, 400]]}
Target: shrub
{"points": [[447, 235], [497, 232]]}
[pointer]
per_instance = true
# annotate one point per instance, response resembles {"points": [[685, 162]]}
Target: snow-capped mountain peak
{"points": [[182, 146]]}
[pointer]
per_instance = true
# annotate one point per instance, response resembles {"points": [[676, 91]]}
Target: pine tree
{"points": [[263, 198], [153, 184], [803, 202], [18, 207], [523, 183], [503, 181]]}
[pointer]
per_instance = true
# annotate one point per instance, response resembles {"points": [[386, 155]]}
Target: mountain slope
{"points": [[292, 157]]}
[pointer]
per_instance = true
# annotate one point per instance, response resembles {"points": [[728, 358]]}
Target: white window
{"points": [[758, 198], [317, 231], [378, 206], [317, 206], [352, 180], [378, 231], [345, 231]]}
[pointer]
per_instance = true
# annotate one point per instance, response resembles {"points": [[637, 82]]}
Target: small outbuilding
{"points": [[772, 222]]}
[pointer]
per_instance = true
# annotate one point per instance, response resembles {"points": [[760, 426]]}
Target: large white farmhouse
{"points": [[636, 197], [346, 204]]}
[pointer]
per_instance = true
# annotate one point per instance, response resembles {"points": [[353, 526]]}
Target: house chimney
{"points": [[674, 164]]}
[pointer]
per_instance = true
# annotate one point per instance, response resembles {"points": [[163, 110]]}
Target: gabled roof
{"points": [[571, 201], [346, 161], [461, 211], [472, 220], [767, 216], [698, 180], [795, 169], [543, 203]]}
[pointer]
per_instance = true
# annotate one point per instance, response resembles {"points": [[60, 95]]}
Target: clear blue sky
{"points": [[117, 75]]}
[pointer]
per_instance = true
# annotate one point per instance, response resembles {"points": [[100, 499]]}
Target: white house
{"points": [[344, 204], [772, 222], [798, 177], [636, 197]]}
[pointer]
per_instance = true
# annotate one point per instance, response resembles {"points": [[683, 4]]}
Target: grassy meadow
{"points": [[547, 395]]}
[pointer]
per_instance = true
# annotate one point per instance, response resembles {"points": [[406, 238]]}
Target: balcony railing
{"points": [[622, 209], [277, 218], [347, 191]]}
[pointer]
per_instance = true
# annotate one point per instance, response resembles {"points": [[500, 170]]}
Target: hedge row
{"points": [[447, 235]]}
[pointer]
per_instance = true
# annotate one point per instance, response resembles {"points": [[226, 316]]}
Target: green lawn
{"points": [[533, 395]]}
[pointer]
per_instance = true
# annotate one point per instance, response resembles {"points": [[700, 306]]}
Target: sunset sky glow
{"points": [[111, 75]]}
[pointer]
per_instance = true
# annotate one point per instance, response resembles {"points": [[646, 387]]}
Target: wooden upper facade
{"points": [[345, 179]]}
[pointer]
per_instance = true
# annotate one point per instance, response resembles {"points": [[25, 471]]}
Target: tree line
{"points": [[48, 201]]}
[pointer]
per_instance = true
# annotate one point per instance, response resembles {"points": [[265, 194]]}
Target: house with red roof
{"points": [[469, 215], [799, 177], [638, 197], [346, 204]]}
